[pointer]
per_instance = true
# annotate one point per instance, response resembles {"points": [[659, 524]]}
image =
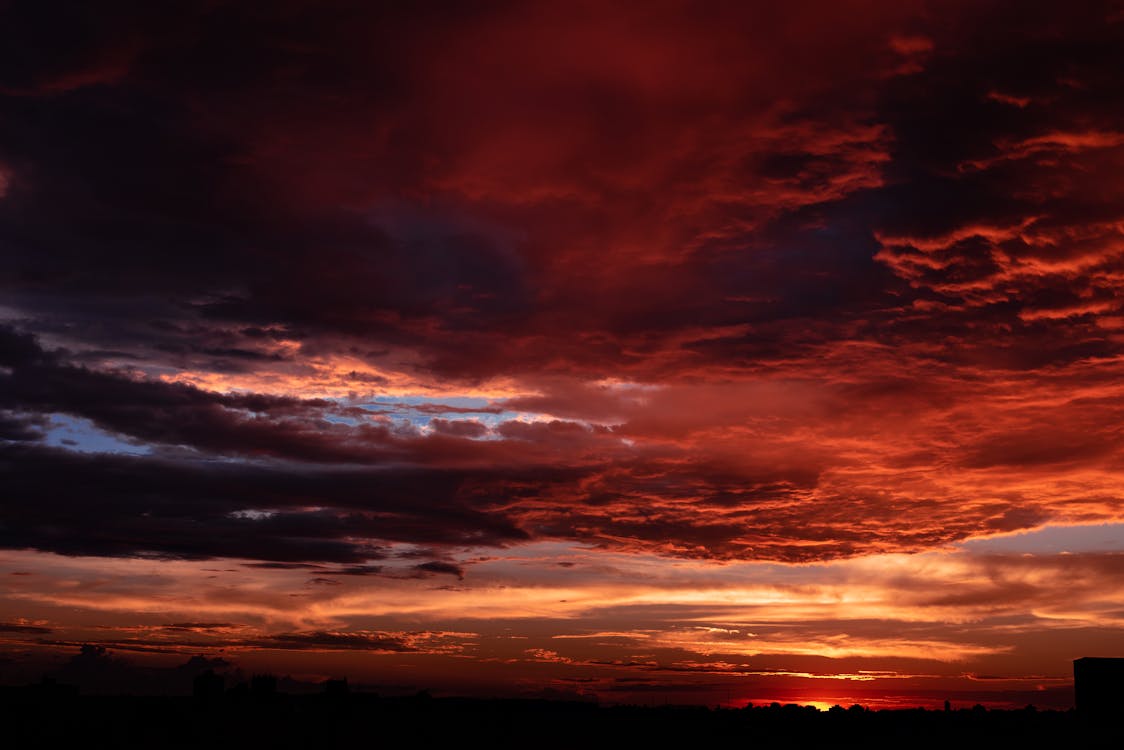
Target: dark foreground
{"points": [[39, 719]]}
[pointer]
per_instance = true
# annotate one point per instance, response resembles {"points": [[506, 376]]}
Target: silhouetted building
{"points": [[1098, 686], [208, 687]]}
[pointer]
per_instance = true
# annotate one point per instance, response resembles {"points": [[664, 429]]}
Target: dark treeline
{"points": [[52, 715]]}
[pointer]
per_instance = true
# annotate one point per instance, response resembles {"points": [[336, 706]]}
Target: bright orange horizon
{"points": [[661, 353]]}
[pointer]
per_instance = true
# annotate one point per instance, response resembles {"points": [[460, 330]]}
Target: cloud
{"points": [[199, 626], [344, 641], [16, 627], [440, 567], [321, 481]]}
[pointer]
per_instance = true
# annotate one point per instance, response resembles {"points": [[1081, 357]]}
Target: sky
{"points": [[654, 352]]}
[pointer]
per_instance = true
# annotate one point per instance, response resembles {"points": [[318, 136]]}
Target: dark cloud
{"points": [[191, 509], [199, 626], [187, 144], [21, 427], [177, 504], [356, 570], [15, 627], [344, 641], [179, 131], [175, 414], [441, 568]]}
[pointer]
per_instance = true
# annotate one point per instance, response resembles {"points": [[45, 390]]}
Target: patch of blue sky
{"points": [[341, 419], [419, 411], [1053, 540], [77, 434], [457, 402]]}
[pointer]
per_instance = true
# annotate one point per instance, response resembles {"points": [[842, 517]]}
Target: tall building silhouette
{"points": [[1098, 686]]}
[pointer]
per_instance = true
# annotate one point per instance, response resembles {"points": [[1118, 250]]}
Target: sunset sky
{"points": [[650, 352]]}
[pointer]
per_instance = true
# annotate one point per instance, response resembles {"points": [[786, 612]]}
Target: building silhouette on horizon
{"points": [[1098, 686]]}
